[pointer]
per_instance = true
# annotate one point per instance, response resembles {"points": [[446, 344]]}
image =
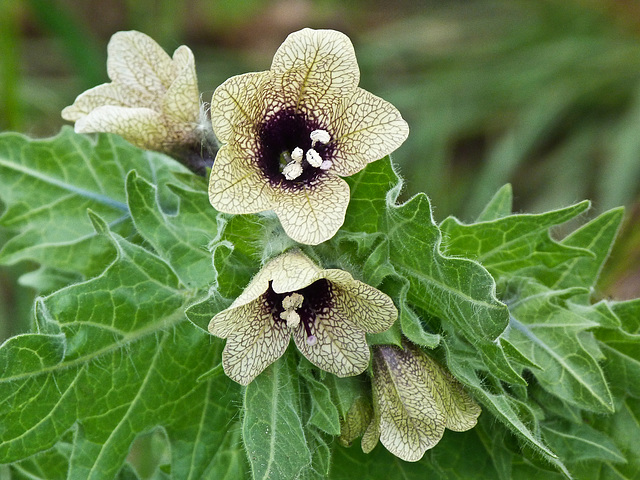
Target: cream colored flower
{"points": [[292, 131], [152, 101], [414, 400], [326, 311]]}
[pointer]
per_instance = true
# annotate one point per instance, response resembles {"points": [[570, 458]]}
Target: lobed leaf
{"points": [[516, 244], [182, 236], [459, 292], [48, 185], [128, 366], [554, 337]]}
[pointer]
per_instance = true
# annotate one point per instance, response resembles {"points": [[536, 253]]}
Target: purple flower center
{"points": [[279, 136], [317, 299]]}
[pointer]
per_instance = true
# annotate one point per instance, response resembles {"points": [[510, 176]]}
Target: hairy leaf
{"points": [[516, 244], [125, 361], [48, 185], [181, 237], [554, 337], [272, 425]]}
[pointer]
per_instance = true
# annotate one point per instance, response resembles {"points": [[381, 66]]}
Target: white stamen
{"points": [[292, 318], [297, 154], [292, 301], [326, 165], [314, 158], [321, 136], [312, 340], [292, 170]]}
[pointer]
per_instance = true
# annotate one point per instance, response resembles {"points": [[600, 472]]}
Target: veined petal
{"points": [[341, 348], [313, 214], [371, 435], [141, 126], [182, 101], [314, 68], [227, 321], [254, 345], [460, 410], [288, 272], [105, 94], [366, 128], [410, 420], [137, 61], [291, 271], [238, 105], [366, 307], [236, 185]]}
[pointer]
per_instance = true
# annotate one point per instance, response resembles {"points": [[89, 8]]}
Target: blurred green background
{"points": [[543, 94]]}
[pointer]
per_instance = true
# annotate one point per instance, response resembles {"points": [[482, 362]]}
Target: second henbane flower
{"points": [[152, 100], [292, 131], [326, 311]]}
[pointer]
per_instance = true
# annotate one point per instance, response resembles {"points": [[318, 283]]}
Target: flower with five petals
{"points": [[291, 132], [152, 101], [326, 311]]}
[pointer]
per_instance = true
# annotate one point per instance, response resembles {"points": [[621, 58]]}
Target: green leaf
{"points": [[459, 292], [579, 442], [129, 366], [597, 236], [272, 424], [457, 456], [621, 347], [48, 185], [369, 190], [324, 414], [553, 336], [182, 236], [49, 465], [624, 429], [320, 455], [47, 280], [350, 462], [515, 415], [454, 289], [391, 336], [499, 206], [203, 310], [237, 255], [345, 391], [516, 244], [377, 267], [413, 327]]}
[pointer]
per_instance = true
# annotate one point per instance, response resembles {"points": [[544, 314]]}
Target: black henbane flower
{"points": [[152, 101], [291, 132], [414, 400], [326, 311]]}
